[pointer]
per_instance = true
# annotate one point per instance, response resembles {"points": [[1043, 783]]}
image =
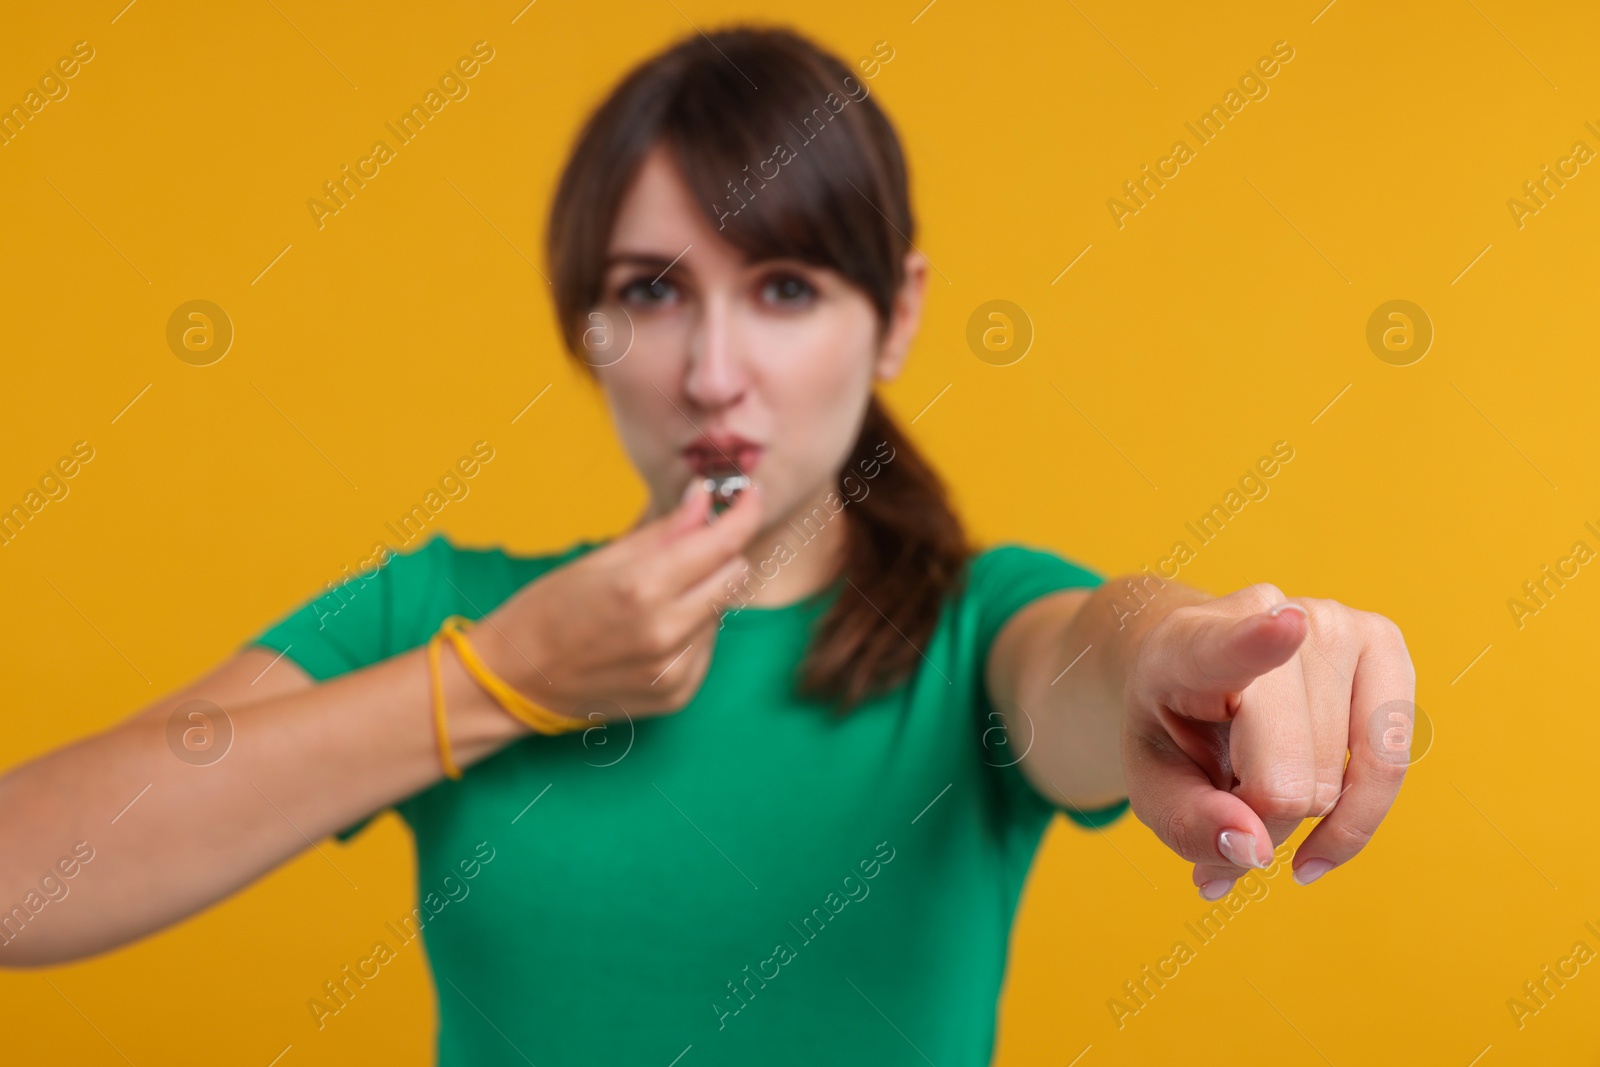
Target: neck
{"points": [[798, 555]]}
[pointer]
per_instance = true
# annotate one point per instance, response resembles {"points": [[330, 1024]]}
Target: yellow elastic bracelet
{"points": [[446, 760], [536, 717]]}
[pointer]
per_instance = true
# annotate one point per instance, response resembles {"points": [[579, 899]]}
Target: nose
{"points": [[716, 376]]}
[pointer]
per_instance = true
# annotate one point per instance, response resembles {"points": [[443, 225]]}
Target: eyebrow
{"points": [[648, 259], [662, 264]]}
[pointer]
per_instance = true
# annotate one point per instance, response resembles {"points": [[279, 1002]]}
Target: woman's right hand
{"points": [[627, 629], [630, 624]]}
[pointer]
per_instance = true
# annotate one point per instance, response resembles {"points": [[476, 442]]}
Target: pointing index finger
{"points": [[1213, 656]]}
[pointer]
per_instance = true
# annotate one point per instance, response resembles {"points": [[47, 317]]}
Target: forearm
{"points": [[1077, 715], [170, 838]]}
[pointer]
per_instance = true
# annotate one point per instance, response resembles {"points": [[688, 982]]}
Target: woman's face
{"points": [[763, 368]]}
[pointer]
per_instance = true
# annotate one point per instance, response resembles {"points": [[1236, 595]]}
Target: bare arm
{"points": [[628, 623], [1074, 719], [306, 760], [1238, 717]]}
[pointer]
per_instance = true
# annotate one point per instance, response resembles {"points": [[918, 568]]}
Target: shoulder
{"points": [[1011, 561], [1002, 581], [1004, 578], [997, 582]]}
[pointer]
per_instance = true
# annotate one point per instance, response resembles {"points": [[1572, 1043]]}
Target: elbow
{"points": [[22, 954], [23, 944], [27, 941]]}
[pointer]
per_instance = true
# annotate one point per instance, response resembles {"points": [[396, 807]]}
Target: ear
{"points": [[904, 319]]}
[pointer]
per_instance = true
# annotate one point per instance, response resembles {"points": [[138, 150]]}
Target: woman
{"points": [[804, 747]]}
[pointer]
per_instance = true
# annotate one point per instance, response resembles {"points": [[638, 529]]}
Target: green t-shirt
{"points": [[748, 880]]}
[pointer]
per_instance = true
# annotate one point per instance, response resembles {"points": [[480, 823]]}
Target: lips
{"points": [[713, 453]]}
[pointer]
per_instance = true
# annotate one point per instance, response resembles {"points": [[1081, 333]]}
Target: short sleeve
{"points": [[353, 624], [1002, 581]]}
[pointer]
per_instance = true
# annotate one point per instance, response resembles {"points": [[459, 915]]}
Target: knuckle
{"points": [[1351, 837], [1389, 631], [627, 590], [1328, 792], [1382, 624], [1273, 594], [1282, 809], [1175, 827], [1281, 799], [1388, 774], [1322, 615], [670, 630], [650, 590], [664, 667], [1344, 624], [1177, 616], [658, 640], [1328, 621]]}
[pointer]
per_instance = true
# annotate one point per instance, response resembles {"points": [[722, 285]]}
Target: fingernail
{"points": [[1281, 608], [1311, 870], [688, 490], [1239, 848], [1216, 889]]}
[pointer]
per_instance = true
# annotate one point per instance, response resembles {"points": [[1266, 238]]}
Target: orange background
{"points": [[1229, 313]]}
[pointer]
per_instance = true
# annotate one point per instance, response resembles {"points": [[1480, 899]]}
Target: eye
{"points": [[647, 292], [788, 290]]}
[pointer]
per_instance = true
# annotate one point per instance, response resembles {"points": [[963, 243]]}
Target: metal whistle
{"points": [[724, 489]]}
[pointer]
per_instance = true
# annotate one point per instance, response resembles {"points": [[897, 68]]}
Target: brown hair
{"points": [[721, 103]]}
